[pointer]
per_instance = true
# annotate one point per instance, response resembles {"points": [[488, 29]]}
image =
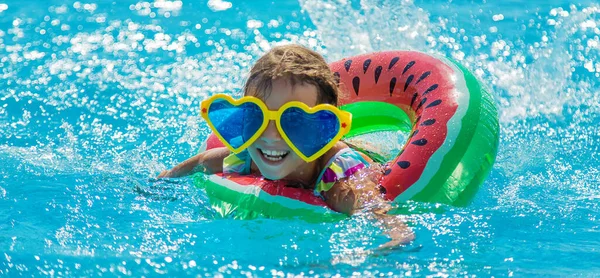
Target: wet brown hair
{"points": [[299, 65]]}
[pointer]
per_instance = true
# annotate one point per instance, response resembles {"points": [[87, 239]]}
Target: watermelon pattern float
{"points": [[451, 120]]}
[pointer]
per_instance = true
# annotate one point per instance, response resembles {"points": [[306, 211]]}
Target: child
{"points": [[343, 177]]}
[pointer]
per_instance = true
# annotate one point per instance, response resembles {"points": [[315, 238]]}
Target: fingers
{"points": [[163, 174], [390, 245], [398, 240]]}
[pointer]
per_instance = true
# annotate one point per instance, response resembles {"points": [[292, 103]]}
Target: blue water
{"points": [[97, 97]]}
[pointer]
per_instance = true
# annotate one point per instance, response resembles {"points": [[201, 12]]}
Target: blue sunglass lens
{"points": [[309, 132], [235, 123]]}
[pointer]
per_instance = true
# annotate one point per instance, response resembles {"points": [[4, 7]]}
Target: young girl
{"points": [[343, 177]]}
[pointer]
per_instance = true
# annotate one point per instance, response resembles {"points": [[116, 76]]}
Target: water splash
{"points": [[348, 28], [99, 97]]}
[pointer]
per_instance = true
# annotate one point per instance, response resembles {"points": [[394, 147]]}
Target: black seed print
{"points": [[408, 80], [366, 65], [418, 119], [414, 133], [392, 85], [403, 164], [410, 64], [423, 76], [413, 99], [393, 62], [336, 76], [347, 64], [381, 188], [421, 103], [434, 103], [356, 84], [433, 87], [420, 142], [387, 172], [378, 73], [428, 122]]}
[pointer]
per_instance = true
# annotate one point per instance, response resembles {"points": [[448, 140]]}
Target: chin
{"points": [[271, 176], [272, 173]]}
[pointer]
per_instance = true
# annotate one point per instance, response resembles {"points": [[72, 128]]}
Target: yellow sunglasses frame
{"points": [[344, 118]]}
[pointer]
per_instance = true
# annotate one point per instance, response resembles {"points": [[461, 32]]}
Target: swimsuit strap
{"points": [[343, 164], [237, 163]]}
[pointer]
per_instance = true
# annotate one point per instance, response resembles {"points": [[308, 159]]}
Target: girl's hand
{"points": [[399, 233], [164, 174]]}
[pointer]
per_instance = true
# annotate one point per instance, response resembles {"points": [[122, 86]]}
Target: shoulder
{"points": [[339, 163], [326, 158], [338, 149], [217, 153], [343, 150], [212, 160]]}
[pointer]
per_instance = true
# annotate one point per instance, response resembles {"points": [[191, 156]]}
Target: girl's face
{"points": [[271, 154]]}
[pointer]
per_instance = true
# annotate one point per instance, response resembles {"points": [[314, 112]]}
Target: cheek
{"points": [[253, 152], [296, 160]]}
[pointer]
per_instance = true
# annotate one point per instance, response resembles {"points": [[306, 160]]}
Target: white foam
{"points": [[219, 5], [349, 30]]}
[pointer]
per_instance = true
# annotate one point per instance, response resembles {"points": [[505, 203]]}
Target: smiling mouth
{"points": [[274, 156]]}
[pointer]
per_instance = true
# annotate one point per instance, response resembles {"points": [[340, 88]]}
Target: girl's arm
{"points": [[361, 191], [349, 194], [207, 162]]}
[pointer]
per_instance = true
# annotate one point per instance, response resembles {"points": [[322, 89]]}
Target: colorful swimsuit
{"points": [[343, 164]]}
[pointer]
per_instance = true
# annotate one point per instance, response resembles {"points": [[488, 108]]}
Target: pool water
{"points": [[96, 98]]}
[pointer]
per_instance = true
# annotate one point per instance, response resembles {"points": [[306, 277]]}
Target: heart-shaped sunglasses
{"points": [[309, 131]]}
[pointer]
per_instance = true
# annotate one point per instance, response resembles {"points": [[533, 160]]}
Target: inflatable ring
{"points": [[451, 120]]}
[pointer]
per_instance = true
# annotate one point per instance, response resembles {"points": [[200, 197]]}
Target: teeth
{"points": [[274, 153], [273, 158]]}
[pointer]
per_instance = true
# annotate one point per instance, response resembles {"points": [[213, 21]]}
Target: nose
{"points": [[271, 134]]}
